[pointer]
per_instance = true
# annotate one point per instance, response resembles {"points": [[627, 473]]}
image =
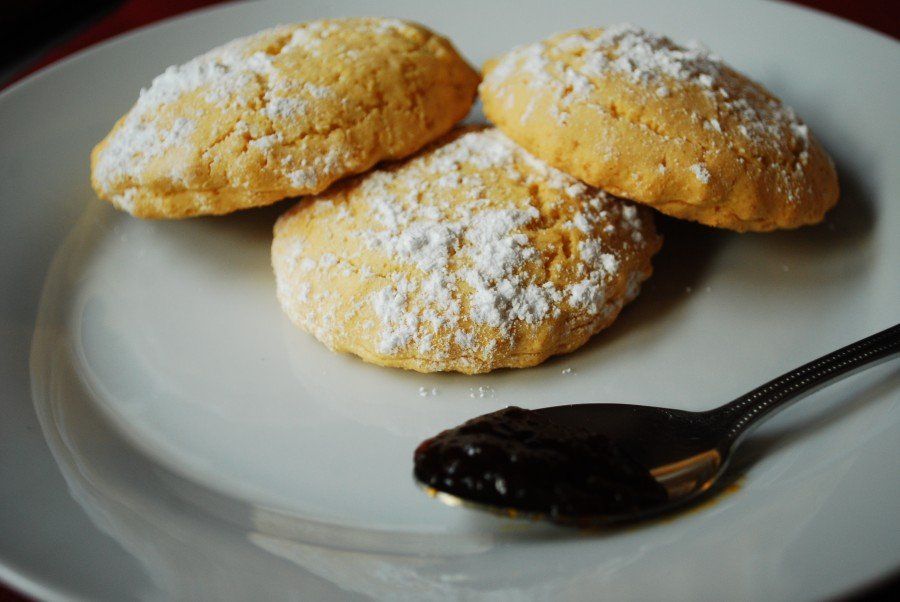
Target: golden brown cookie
{"points": [[471, 256], [281, 113], [670, 126]]}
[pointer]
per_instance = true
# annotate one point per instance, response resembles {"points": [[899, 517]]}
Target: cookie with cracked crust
{"points": [[281, 113], [471, 256], [670, 126]]}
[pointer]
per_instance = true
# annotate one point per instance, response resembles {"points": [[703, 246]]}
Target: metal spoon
{"points": [[685, 452]]}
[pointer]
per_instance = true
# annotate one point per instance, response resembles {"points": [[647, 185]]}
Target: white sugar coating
{"points": [[580, 221], [286, 108], [624, 49], [226, 77], [643, 56], [137, 143], [265, 142], [713, 124], [319, 92], [700, 172], [295, 253], [224, 72], [302, 291], [482, 392], [489, 241], [574, 66], [390, 305], [457, 226]]}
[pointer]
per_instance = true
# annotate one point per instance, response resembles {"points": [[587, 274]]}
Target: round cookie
{"points": [[670, 126], [281, 113], [471, 256]]}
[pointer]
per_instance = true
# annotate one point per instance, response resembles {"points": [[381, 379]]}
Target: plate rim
{"points": [[22, 579]]}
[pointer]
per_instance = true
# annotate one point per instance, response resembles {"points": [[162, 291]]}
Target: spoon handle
{"points": [[747, 410]]}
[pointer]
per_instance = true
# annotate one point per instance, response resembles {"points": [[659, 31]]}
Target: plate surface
{"points": [[209, 450]]}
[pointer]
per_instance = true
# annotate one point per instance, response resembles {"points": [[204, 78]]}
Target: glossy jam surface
{"points": [[519, 459]]}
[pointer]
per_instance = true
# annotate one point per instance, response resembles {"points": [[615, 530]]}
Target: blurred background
{"points": [[35, 33]]}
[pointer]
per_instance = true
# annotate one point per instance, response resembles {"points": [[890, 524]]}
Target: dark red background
{"points": [[881, 15]]}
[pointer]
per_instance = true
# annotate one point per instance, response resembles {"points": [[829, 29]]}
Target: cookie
{"points": [[471, 256], [669, 126], [281, 113]]}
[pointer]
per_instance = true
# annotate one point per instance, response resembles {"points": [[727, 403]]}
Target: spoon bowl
{"points": [[679, 448], [686, 465], [532, 463]]}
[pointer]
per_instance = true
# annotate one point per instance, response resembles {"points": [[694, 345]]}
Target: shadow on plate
{"points": [[680, 267], [757, 447], [846, 227], [249, 225], [832, 253]]}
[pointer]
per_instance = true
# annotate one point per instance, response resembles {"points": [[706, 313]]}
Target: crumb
{"points": [[481, 392]]}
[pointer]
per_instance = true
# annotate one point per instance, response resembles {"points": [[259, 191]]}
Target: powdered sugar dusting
{"points": [[286, 108], [700, 172], [391, 306], [137, 143], [232, 77], [639, 55], [224, 73], [575, 66], [466, 258]]}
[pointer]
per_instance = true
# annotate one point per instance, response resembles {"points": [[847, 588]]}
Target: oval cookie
{"points": [[669, 126], [471, 256], [281, 113]]}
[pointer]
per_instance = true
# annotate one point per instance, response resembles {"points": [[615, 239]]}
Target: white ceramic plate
{"points": [[209, 450]]}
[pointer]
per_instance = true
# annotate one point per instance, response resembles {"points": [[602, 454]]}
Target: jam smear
{"points": [[520, 459]]}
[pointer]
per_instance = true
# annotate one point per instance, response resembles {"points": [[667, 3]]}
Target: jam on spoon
{"points": [[524, 460], [596, 464]]}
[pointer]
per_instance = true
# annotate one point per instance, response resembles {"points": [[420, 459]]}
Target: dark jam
{"points": [[519, 459]]}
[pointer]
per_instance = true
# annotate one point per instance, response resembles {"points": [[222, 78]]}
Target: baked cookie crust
{"points": [[281, 113], [669, 126], [471, 256]]}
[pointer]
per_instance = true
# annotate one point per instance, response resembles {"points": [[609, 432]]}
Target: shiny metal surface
{"points": [[688, 452], [170, 357]]}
